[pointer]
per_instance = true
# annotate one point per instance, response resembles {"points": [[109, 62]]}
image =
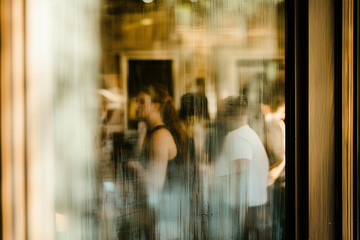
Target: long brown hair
{"points": [[159, 94]]}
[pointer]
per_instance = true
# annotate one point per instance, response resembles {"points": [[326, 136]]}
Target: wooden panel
{"points": [[321, 120], [347, 118]]}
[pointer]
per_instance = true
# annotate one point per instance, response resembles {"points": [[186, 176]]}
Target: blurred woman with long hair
{"points": [[165, 162], [165, 142]]}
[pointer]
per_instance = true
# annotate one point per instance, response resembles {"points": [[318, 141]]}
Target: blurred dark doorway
{"points": [[145, 72]]}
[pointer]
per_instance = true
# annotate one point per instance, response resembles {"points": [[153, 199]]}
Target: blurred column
{"points": [[62, 53]]}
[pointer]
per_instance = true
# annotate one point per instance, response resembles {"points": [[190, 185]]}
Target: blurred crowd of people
{"points": [[181, 175]]}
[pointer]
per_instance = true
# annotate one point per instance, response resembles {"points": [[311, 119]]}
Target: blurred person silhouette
{"points": [[200, 86], [252, 89], [165, 140], [194, 114], [165, 160], [243, 166], [102, 121], [216, 135], [273, 108], [112, 112]]}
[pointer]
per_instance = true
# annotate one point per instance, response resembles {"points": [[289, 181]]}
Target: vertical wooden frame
{"points": [[13, 189], [356, 168], [338, 117], [347, 118]]}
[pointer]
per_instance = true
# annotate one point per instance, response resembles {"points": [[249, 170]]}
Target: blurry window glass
{"points": [[192, 109]]}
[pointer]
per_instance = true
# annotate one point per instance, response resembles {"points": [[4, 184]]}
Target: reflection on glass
{"points": [[192, 133]]}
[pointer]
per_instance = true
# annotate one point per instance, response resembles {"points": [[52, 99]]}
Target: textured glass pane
{"points": [[191, 129]]}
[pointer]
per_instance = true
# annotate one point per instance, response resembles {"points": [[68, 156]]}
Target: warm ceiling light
{"points": [[146, 21], [147, 1]]}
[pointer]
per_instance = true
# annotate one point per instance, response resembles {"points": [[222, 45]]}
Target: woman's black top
{"points": [[175, 168]]}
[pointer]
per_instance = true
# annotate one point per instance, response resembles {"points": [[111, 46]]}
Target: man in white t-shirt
{"points": [[245, 165]]}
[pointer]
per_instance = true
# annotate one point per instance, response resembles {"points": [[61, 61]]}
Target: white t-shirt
{"points": [[243, 143]]}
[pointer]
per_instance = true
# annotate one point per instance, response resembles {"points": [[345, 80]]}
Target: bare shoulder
{"points": [[162, 141], [161, 135]]}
